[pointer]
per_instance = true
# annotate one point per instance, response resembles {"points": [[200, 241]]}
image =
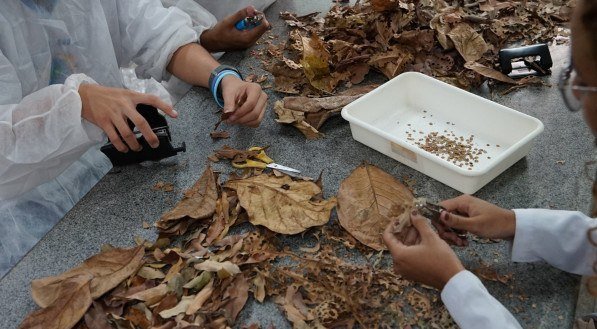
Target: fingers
{"points": [[258, 30], [114, 138], [422, 225], [459, 204], [252, 92], [394, 245], [253, 118], [240, 15], [127, 134], [144, 128], [155, 101], [457, 221]]}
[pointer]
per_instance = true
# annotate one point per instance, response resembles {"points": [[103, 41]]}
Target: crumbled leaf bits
{"points": [[453, 41], [205, 278], [368, 200], [308, 114]]}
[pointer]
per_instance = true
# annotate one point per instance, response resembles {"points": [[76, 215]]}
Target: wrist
{"points": [[510, 217], [207, 41], [216, 79], [449, 274]]}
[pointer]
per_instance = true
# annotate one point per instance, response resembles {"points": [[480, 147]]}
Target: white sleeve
{"points": [[42, 135], [557, 237], [150, 34], [471, 305]]}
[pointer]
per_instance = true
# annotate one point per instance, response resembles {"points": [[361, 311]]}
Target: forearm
{"points": [[555, 236], [192, 64], [471, 305]]}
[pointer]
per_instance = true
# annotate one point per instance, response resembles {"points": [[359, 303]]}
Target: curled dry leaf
{"points": [[237, 295], [282, 204], [308, 114], [468, 42], [224, 269], [368, 200], [72, 299], [199, 202], [107, 270], [490, 73]]}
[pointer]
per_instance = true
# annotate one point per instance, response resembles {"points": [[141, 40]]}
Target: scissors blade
{"points": [[283, 168]]}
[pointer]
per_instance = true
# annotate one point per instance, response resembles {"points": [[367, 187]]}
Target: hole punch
{"points": [[524, 61]]}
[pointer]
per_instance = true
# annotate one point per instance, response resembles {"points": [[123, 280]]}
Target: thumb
{"points": [[456, 221], [229, 96], [421, 224]]}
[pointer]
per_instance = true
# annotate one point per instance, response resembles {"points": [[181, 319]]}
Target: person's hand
{"points": [[109, 109], [225, 37], [431, 261], [244, 102], [479, 217]]}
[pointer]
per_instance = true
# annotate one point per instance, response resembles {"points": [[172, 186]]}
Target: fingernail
{"points": [[139, 149], [174, 112]]}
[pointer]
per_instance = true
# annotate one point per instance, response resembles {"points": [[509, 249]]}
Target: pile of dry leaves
{"points": [[205, 279], [454, 41]]}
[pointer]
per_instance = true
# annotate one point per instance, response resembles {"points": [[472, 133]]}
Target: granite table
{"points": [[556, 174]]}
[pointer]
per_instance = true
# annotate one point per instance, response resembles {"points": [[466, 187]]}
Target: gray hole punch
{"points": [[524, 61], [159, 125]]}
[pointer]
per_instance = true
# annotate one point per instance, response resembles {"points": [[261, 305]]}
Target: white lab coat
{"points": [[49, 155], [554, 236]]}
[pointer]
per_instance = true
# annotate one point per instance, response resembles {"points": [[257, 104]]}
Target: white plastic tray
{"points": [[384, 117]]}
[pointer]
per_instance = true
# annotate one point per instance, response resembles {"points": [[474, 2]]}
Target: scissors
{"points": [[433, 211], [262, 161]]}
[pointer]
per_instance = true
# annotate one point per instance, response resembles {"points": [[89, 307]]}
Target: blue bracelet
{"points": [[215, 88]]}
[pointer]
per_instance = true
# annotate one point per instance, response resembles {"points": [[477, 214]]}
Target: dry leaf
{"points": [[181, 307], [468, 42], [152, 295], [237, 295], [368, 200], [490, 73], [281, 204], [71, 300], [199, 202], [219, 134], [106, 269], [224, 269], [201, 297], [392, 62]]}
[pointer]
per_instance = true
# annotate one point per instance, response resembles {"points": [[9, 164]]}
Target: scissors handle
{"points": [[249, 164]]}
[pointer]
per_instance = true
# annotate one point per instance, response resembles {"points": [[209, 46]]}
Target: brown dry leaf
{"points": [[107, 270], [181, 307], [70, 302], [237, 295], [163, 186], [223, 269], [308, 114], [259, 284], [490, 73], [487, 273], [201, 297], [219, 134], [368, 200], [315, 64], [468, 42], [96, 318], [199, 202], [282, 204], [152, 295], [392, 62]]}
